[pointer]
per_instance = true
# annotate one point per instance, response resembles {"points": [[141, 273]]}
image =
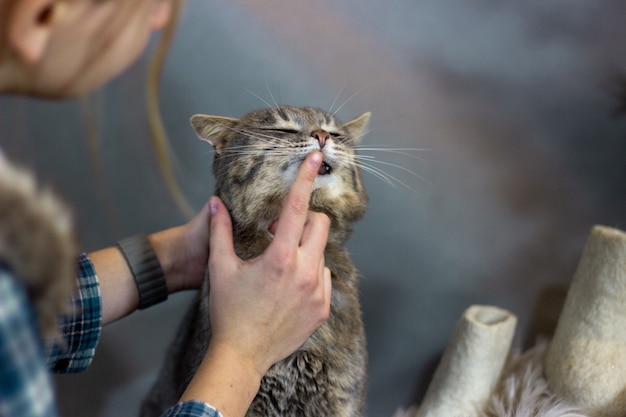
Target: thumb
{"points": [[220, 233]]}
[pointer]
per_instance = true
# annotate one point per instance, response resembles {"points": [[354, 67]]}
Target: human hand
{"points": [[183, 252], [263, 309]]}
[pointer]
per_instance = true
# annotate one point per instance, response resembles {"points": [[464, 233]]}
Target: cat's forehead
{"points": [[296, 118]]}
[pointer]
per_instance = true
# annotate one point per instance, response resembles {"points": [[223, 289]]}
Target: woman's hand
{"points": [[267, 307], [182, 251], [262, 310]]}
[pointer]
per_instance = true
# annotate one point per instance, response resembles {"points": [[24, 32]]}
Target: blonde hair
{"points": [[160, 140]]}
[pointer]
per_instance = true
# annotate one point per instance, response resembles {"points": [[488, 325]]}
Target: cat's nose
{"points": [[321, 135]]}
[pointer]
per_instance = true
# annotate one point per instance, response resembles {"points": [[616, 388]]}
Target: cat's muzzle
{"points": [[325, 169]]}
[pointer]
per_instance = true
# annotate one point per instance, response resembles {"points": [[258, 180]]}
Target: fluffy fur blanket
{"points": [[37, 243], [521, 392]]}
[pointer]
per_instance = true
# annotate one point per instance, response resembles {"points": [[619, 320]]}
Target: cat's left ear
{"points": [[213, 129], [357, 128]]}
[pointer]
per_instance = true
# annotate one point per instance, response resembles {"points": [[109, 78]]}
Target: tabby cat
{"points": [[256, 158]]}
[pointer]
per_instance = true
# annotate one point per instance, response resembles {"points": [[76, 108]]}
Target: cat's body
{"points": [[256, 159]]}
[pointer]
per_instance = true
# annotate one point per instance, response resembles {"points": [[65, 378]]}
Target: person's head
{"points": [[66, 48]]}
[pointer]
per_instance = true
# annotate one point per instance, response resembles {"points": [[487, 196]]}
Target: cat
{"points": [[256, 159]]}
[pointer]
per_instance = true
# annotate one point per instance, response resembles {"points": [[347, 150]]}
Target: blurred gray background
{"points": [[508, 107]]}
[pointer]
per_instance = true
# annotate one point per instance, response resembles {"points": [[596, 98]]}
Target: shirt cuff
{"points": [[192, 409], [80, 329]]}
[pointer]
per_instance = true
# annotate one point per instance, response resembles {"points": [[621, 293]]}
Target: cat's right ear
{"points": [[213, 129]]}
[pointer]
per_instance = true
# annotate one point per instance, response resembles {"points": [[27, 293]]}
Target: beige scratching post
{"points": [[586, 361], [471, 364]]}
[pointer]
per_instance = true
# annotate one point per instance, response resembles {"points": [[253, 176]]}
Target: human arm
{"points": [[261, 310], [182, 252], [106, 290]]}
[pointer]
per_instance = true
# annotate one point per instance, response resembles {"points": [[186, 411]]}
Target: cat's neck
{"points": [[250, 243]]}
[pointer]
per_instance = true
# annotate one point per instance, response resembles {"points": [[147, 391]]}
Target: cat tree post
{"points": [[471, 364], [586, 360]]}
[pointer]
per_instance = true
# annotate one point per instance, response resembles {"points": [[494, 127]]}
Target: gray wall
{"points": [[509, 101]]}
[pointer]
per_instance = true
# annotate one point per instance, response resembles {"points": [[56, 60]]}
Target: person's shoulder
{"points": [[26, 384], [16, 313], [12, 290]]}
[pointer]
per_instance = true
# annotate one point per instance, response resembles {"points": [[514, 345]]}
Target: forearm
{"points": [[117, 286], [225, 381]]}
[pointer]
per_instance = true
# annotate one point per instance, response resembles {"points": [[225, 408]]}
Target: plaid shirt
{"points": [[26, 388]]}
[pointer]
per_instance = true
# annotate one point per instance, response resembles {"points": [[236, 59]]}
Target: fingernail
{"points": [[316, 159], [213, 205]]}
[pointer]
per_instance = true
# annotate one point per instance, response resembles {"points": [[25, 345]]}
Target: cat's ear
{"points": [[213, 129], [357, 128]]}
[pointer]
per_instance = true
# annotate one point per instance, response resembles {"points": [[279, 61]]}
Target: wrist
{"points": [[164, 244], [231, 359], [225, 380], [145, 269], [183, 257]]}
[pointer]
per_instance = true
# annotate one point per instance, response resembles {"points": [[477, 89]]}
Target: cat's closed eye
{"points": [[296, 131], [291, 131]]}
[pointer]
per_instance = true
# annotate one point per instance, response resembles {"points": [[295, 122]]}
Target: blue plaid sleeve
{"points": [[25, 384], [192, 409], [80, 330]]}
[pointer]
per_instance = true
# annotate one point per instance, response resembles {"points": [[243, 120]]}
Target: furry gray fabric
{"points": [[521, 392], [37, 242]]}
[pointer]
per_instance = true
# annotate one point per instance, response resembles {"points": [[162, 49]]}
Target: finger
{"points": [[200, 223], [220, 233], [328, 287], [324, 286], [272, 228], [294, 213], [320, 275], [315, 234]]}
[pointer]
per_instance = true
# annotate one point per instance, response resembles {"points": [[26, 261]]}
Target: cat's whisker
{"points": [[330, 109], [262, 145], [258, 153], [394, 150], [387, 177], [355, 139], [259, 136], [397, 151], [346, 101], [269, 90], [366, 163], [400, 167], [258, 150], [268, 138], [267, 103], [256, 135], [375, 172], [352, 160]]}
